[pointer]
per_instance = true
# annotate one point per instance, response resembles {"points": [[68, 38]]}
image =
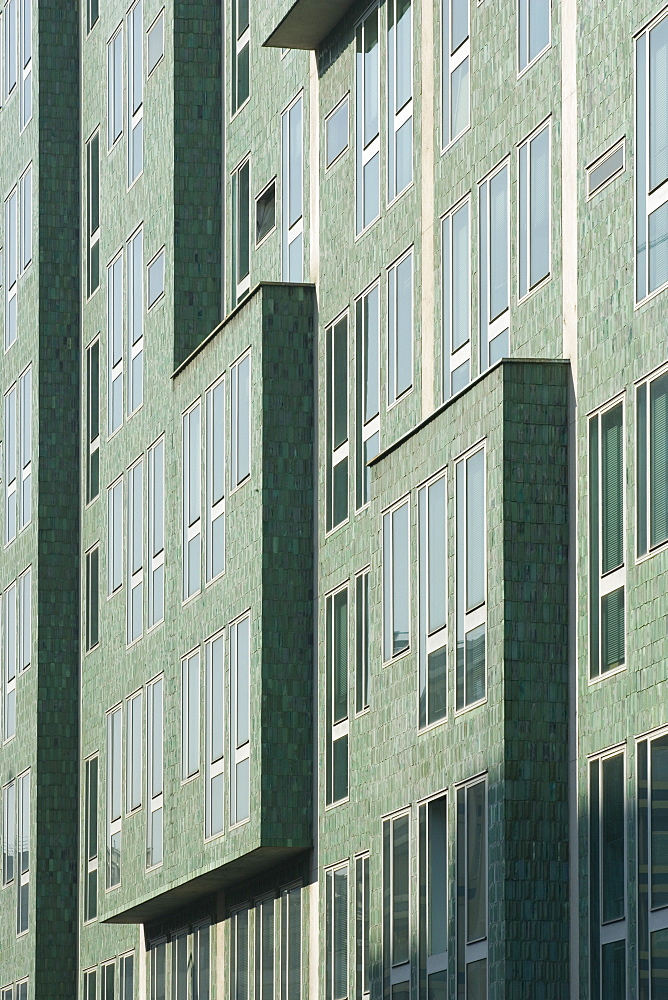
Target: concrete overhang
{"points": [[307, 23]]}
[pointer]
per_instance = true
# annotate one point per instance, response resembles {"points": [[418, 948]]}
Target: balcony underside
{"points": [[307, 23]]}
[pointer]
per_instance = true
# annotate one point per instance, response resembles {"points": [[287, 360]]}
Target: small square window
{"points": [[265, 213], [156, 42], [156, 278], [336, 131]]}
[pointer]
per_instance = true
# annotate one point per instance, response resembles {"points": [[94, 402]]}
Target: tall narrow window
{"points": [[215, 735], [190, 715], [11, 46], [396, 581], [114, 810], [25, 221], [399, 328], [25, 64], [239, 958], [154, 831], [652, 912], [89, 986], [472, 891], [25, 447], [367, 119], [337, 695], [135, 92], [607, 573], [292, 131], [215, 480], [337, 423], [90, 840], [336, 933], [534, 210], [115, 342], [471, 579], [240, 53], [136, 320], [156, 533], [433, 880], [155, 42], [240, 719], [115, 536], [362, 960], [192, 513], [11, 259], [8, 832], [201, 962], [241, 231], [93, 192], [362, 651], [396, 907], [93, 421], [291, 944], [607, 878], [93, 13], [456, 75], [264, 950], [433, 602], [92, 598], [135, 551], [23, 852], [652, 463], [367, 323], [25, 620], [126, 975], [399, 96], [158, 963], [494, 261], [10, 465], [533, 22], [115, 87], [180, 966], [9, 636], [240, 378], [133, 738], [456, 234], [108, 981]]}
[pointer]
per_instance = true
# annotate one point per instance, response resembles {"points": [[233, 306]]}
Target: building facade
{"points": [[334, 471]]}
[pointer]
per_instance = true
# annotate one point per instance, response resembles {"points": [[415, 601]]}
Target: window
{"points": [[240, 378], [240, 719], [533, 22], [239, 957], [433, 602], [11, 8], [156, 43], [25, 222], [201, 962], [367, 118], [23, 852], [399, 96], [115, 342], [336, 132], [367, 319], [399, 328], [652, 913], [240, 53], [156, 533], [534, 210], [180, 966], [652, 462], [293, 193], [456, 74], [192, 514], [115, 87], [114, 781], [471, 912], [362, 657], [336, 932], [337, 422], [134, 773], [25, 620], [126, 972], [135, 321], [25, 447], [241, 231], [362, 962], [135, 552], [215, 735], [607, 573], [215, 480], [471, 582], [433, 881], [264, 950], [8, 832], [11, 256], [135, 92], [156, 278], [90, 841], [9, 635], [336, 610], [158, 961], [154, 832], [456, 236], [396, 907], [107, 981], [291, 944], [93, 12], [93, 192], [265, 213], [190, 715], [494, 265], [115, 536], [25, 64], [89, 985], [607, 878], [10, 465], [92, 598], [22, 990], [651, 159], [93, 421], [606, 168], [396, 581]]}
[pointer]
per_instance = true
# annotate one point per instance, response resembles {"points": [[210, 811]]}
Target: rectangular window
{"points": [[9, 636], [158, 963], [471, 579], [135, 552], [11, 46], [107, 981], [90, 840], [155, 44], [362, 650], [533, 22], [156, 533], [180, 966], [126, 974], [239, 956], [201, 962], [607, 573], [25, 221], [25, 447], [367, 323], [264, 950], [190, 715], [534, 210], [25, 64], [136, 321], [396, 907], [292, 132], [399, 328], [115, 342], [471, 863], [433, 602], [291, 944], [156, 278], [337, 423], [8, 832], [93, 421], [115, 536], [240, 720], [367, 119], [241, 223], [135, 92], [22, 990], [362, 962], [606, 168], [456, 75], [494, 290], [399, 96], [92, 598], [652, 919], [192, 512], [396, 581], [456, 242], [11, 258], [336, 933], [433, 881], [265, 212], [10, 465], [115, 87], [240, 378], [134, 773], [154, 744], [652, 463], [93, 13], [114, 782], [93, 192], [240, 53], [336, 132], [607, 878], [23, 852], [336, 611], [89, 986], [25, 620], [215, 480], [215, 735]]}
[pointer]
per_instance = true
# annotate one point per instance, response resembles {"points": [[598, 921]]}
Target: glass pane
{"points": [[243, 420], [404, 88], [460, 83], [400, 891], [539, 26], [612, 629], [217, 804], [340, 492], [436, 685], [371, 77], [436, 549], [243, 684], [371, 189], [460, 377], [658, 104], [459, 12], [475, 530], [158, 501], [476, 863], [243, 75], [612, 846], [340, 383], [498, 239], [659, 823], [337, 132], [437, 879], [243, 791], [156, 278], [340, 769], [340, 664], [460, 277], [659, 964], [658, 460], [658, 247], [371, 359], [243, 222], [295, 163], [476, 980], [400, 579], [612, 471], [611, 165], [540, 207], [523, 220], [437, 984], [156, 43], [156, 744], [404, 375], [156, 837], [217, 696], [613, 971], [475, 664], [340, 934]]}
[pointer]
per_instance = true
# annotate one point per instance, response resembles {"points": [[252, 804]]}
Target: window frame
{"points": [[337, 107], [336, 455], [9, 660], [291, 233], [191, 519], [11, 436], [135, 343], [190, 714], [214, 768], [134, 709], [235, 412], [432, 963], [154, 793], [394, 396], [434, 640], [459, 357], [215, 508], [388, 591], [92, 407], [476, 616], [336, 730], [522, 69], [93, 235], [492, 328], [94, 550], [239, 753], [364, 154], [135, 574], [643, 463], [91, 837], [114, 83], [115, 317], [12, 265], [114, 822], [156, 543], [135, 101], [331, 938], [25, 66], [397, 118], [454, 61], [366, 429], [115, 525], [395, 973], [362, 641], [524, 206], [477, 950], [240, 282], [151, 27]]}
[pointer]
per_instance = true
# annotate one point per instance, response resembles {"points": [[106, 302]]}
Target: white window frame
{"points": [[135, 571], [341, 453], [151, 303], [11, 42], [331, 939], [525, 208], [114, 526], [364, 154], [397, 117], [115, 315], [432, 963], [289, 989], [241, 283], [294, 232], [23, 836], [366, 428], [455, 359], [362, 643], [93, 234], [477, 616], [154, 791], [215, 453], [9, 832], [476, 950], [135, 100], [434, 640], [159, 19], [401, 972], [214, 717], [25, 448], [25, 63], [450, 63], [388, 578], [92, 400], [91, 861], [656, 917], [236, 987], [340, 730], [394, 393], [236, 479], [114, 821], [135, 346], [335, 110], [25, 217], [239, 753], [11, 266], [134, 709], [114, 83], [190, 714], [127, 959], [11, 458], [156, 531], [239, 43], [362, 962], [490, 326], [25, 620], [601, 161], [521, 69], [10, 665], [192, 518], [644, 385]]}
